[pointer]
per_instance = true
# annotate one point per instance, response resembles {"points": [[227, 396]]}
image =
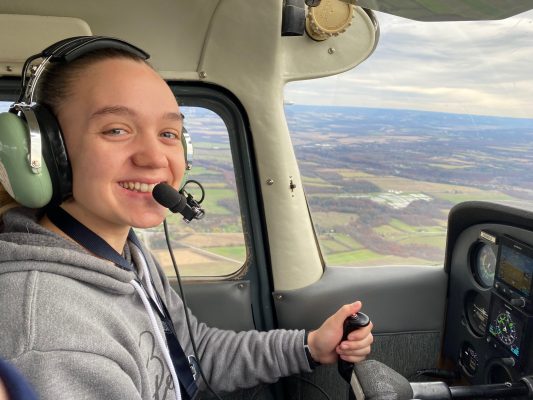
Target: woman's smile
{"points": [[138, 186]]}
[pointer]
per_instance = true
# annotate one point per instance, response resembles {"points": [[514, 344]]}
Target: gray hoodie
{"points": [[76, 327]]}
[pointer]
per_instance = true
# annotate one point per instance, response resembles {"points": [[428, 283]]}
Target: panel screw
{"points": [[241, 285], [331, 50], [270, 182], [35, 164], [292, 185], [279, 297], [203, 74]]}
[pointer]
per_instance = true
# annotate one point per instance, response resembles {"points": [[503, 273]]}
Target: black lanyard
{"points": [[96, 245], [88, 239]]}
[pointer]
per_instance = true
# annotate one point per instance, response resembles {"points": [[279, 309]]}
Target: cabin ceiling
{"points": [[449, 10], [207, 38], [224, 42]]}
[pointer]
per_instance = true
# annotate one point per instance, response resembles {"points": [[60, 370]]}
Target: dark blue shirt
{"points": [[17, 386]]}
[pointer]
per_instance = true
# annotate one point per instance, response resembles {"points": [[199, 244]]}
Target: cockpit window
{"points": [[439, 114]]}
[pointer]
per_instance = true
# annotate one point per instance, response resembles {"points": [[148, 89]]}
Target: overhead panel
{"points": [[449, 10]]}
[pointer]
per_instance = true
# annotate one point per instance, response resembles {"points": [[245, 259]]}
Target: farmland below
{"points": [[379, 182]]}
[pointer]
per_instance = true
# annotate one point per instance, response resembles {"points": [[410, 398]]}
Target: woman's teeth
{"points": [[138, 186]]}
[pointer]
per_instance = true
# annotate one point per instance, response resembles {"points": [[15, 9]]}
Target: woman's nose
{"points": [[149, 152]]}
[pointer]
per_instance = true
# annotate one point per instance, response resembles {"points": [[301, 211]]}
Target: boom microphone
{"points": [[176, 202]]}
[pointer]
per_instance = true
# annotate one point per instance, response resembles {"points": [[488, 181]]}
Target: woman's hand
{"points": [[325, 343]]}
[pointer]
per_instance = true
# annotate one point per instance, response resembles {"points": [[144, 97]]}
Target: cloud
{"points": [[482, 67]]}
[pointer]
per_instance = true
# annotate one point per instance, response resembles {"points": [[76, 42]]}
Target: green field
{"points": [[483, 196], [349, 257], [213, 196], [237, 253], [429, 240]]}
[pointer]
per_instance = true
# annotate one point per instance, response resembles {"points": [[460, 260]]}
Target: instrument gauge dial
{"points": [[477, 312], [468, 358], [485, 265], [507, 325], [505, 328]]}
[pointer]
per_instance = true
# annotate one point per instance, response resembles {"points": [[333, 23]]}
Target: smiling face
{"points": [[122, 127]]}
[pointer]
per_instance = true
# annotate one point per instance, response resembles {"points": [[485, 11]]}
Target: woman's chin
{"points": [[148, 221]]}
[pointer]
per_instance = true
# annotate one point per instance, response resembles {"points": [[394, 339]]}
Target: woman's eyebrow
{"points": [[121, 110], [174, 116], [113, 110]]}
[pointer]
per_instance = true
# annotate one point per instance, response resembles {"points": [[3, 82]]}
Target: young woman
{"points": [[101, 321]]}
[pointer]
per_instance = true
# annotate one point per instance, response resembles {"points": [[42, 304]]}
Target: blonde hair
{"points": [[6, 201]]}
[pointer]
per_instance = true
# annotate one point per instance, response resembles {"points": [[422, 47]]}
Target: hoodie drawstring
{"points": [[159, 336]]}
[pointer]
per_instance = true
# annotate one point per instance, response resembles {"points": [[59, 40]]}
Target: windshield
{"points": [[439, 114]]}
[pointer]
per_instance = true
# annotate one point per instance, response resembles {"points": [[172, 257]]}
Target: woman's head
{"points": [[122, 126]]}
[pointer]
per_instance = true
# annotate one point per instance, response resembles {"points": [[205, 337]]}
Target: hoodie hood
{"points": [[27, 246]]}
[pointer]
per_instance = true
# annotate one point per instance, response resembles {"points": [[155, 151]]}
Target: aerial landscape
{"points": [[380, 182], [393, 175]]}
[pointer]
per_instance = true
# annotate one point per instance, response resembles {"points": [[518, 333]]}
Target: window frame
{"points": [[256, 269]]}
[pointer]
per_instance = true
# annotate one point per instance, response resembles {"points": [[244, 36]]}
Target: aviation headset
{"points": [[34, 165]]}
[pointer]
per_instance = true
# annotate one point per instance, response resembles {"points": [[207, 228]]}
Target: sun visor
{"points": [[24, 35], [338, 37]]}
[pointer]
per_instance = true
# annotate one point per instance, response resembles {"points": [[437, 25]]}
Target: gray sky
{"points": [[460, 67]]}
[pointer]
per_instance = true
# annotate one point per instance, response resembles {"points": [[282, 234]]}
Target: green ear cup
{"points": [[27, 188]]}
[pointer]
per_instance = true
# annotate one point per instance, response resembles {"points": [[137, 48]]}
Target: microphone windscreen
{"points": [[169, 197], [381, 382]]}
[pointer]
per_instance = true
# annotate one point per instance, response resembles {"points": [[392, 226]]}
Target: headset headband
{"points": [[66, 51]]}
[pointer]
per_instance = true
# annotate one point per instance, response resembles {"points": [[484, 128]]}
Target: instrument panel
{"points": [[489, 322]]}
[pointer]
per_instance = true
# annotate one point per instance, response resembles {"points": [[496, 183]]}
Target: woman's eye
{"points": [[170, 135], [115, 132]]}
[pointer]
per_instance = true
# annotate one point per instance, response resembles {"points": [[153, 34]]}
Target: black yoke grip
{"points": [[351, 323]]}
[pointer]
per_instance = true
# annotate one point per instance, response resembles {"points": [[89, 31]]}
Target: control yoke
{"points": [[373, 380]]}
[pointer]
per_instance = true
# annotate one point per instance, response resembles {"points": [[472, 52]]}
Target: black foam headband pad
{"points": [[55, 153], [70, 49]]}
